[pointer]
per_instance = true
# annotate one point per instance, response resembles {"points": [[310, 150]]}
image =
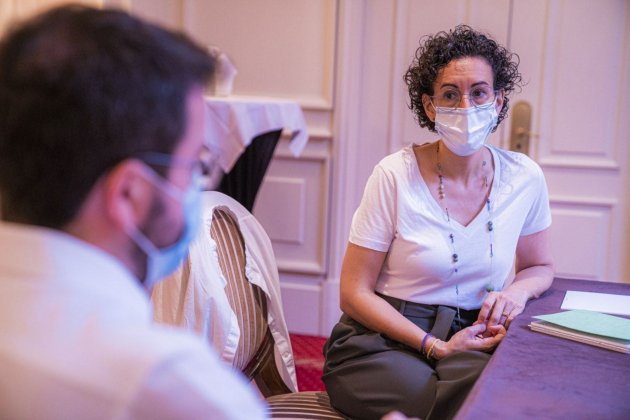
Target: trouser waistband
{"points": [[444, 315]]}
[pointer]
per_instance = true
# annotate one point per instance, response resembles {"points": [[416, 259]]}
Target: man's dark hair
{"points": [[435, 52], [81, 90]]}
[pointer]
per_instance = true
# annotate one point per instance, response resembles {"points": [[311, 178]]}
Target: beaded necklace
{"points": [[451, 235]]}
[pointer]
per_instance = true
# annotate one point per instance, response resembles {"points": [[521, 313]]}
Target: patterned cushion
{"points": [[302, 405], [247, 300], [255, 352]]}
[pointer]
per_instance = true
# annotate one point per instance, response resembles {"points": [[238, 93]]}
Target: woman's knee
{"points": [[373, 386], [461, 366]]}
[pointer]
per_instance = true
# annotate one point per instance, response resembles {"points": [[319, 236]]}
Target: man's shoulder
{"points": [[186, 379], [152, 345], [99, 370]]}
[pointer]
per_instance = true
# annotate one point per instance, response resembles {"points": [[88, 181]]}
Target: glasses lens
{"points": [[478, 97], [448, 98], [481, 96]]}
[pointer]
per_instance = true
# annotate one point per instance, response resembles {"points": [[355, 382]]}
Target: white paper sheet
{"points": [[600, 302]]}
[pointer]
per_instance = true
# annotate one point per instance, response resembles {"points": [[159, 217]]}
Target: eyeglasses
{"points": [[204, 166], [479, 97]]}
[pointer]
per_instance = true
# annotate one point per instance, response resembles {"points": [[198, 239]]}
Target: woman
{"points": [[449, 243]]}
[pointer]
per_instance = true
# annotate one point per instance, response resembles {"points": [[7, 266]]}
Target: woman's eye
{"points": [[450, 95], [479, 93]]}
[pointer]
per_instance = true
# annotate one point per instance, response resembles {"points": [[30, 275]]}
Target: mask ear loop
{"points": [[164, 184], [136, 235], [146, 246], [142, 241], [430, 102]]}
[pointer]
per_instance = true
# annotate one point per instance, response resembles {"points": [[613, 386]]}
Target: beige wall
{"points": [[12, 10], [342, 61], [358, 51]]}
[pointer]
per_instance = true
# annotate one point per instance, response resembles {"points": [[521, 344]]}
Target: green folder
{"points": [[591, 322]]}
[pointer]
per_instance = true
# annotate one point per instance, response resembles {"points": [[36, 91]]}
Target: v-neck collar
{"points": [[435, 206]]}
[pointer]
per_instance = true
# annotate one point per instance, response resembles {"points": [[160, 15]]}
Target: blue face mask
{"points": [[164, 261]]}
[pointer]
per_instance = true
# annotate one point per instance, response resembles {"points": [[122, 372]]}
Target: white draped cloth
{"points": [[233, 122]]}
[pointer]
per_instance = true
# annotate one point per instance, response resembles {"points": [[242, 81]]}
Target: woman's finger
{"points": [[514, 312], [499, 314], [486, 307]]}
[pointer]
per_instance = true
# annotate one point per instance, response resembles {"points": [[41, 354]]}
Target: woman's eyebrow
{"points": [[483, 82]]}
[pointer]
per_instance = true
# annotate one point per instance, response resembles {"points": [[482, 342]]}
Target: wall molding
{"points": [[347, 140], [317, 149], [568, 162], [583, 201], [314, 103], [397, 94], [300, 266]]}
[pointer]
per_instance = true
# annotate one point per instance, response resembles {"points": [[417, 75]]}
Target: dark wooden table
{"points": [[536, 376]]}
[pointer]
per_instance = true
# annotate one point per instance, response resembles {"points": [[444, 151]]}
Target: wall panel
{"points": [[284, 49], [292, 205], [580, 237], [573, 97], [281, 48]]}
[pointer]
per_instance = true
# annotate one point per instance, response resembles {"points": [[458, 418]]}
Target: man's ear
{"points": [[128, 194], [429, 109]]}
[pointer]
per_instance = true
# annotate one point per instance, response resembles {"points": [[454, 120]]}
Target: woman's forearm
{"points": [[358, 298], [375, 313], [534, 280]]}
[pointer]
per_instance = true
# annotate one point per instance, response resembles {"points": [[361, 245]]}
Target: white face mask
{"points": [[465, 130]]}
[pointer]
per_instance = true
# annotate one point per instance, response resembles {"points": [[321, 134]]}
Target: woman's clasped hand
{"points": [[480, 337], [500, 308]]}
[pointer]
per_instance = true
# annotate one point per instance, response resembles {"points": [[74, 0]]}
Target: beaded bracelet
{"points": [[430, 352], [424, 341]]}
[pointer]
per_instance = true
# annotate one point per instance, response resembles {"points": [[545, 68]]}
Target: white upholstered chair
{"points": [[253, 292]]}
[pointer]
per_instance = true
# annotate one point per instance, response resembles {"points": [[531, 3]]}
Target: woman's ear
{"points": [[429, 109], [128, 194], [499, 100]]}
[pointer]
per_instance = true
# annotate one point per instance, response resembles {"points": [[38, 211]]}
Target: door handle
{"points": [[520, 133]]}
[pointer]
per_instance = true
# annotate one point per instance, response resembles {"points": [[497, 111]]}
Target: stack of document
{"points": [[594, 328]]}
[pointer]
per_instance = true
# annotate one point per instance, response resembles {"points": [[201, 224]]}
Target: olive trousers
{"points": [[367, 374]]}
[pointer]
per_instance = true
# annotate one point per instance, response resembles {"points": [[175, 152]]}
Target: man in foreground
{"points": [[101, 128]]}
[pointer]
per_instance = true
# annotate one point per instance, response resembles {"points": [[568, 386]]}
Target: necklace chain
{"points": [[451, 235]]}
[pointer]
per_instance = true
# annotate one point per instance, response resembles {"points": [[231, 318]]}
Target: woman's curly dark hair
{"points": [[435, 52]]}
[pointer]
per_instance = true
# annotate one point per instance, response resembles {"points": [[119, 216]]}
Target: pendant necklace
{"points": [[452, 238]]}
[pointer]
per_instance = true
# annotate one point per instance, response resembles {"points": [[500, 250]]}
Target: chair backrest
{"points": [[255, 352], [212, 304]]}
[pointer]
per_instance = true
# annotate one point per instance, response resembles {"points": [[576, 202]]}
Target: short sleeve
{"points": [[539, 215], [374, 222]]}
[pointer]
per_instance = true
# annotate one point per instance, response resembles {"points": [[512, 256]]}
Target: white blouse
{"points": [[398, 215]]}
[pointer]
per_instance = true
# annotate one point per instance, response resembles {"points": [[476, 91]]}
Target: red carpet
{"points": [[309, 361]]}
